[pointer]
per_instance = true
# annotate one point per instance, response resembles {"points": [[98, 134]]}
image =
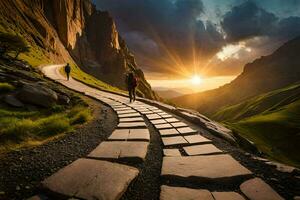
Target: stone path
{"points": [[191, 161]]}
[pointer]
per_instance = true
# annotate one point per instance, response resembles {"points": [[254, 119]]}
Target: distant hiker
{"points": [[68, 70], [131, 85]]}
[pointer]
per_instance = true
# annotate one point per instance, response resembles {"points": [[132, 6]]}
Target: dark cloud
{"points": [[167, 35], [174, 26], [247, 20], [288, 28]]}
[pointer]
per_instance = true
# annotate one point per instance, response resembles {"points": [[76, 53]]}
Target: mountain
{"points": [[265, 74], [72, 31], [168, 94], [271, 121]]}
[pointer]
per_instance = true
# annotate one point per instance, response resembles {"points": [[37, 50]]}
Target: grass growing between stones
{"points": [[23, 128]]}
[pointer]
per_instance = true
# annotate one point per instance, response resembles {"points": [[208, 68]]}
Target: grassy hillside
{"points": [[268, 102], [271, 121]]}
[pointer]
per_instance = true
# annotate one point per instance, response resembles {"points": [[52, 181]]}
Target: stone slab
{"points": [[129, 115], [201, 149], [158, 121], [171, 120], [176, 140], [153, 116], [123, 150], [119, 134], [155, 109], [139, 135], [122, 109], [126, 111], [172, 152], [161, 113], [214, 168], [196, 139], [257, 189], [146, 112], [142, 110], [169, 132], [114, 103], [182, 193], [166, 116], [91, 179], [227, 196], [158, 111], [186, 130], [163, 126], [132, 125], [130, 135], [133, 119], [179, 124]]}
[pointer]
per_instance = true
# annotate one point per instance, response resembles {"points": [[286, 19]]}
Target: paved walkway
{"points": [[190, 160]]}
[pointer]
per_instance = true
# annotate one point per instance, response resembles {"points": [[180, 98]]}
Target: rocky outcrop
{"points": [[74, 31], [37, 95]]}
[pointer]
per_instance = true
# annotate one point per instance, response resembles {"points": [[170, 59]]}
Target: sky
{"points": [[175, 40]]}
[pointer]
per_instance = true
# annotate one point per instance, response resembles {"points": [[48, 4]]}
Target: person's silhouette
{"points": [[131, 85], [68, 70]]}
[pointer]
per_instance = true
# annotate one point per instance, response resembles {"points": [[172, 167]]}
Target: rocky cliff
{"points": [[74, 31]]}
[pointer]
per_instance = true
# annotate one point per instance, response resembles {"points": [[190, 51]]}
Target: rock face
{"points": [[13, 101], [38, 95], [74, 31]]}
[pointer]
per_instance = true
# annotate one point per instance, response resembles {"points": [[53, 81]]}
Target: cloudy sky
{"points": [[175, 39]]}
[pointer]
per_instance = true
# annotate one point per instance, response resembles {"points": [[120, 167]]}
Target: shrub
{"points": [[21, 129], [12, 44], [81, 117], [53, 125]]}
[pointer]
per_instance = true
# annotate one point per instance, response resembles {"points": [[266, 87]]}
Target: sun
{"points": [[196, 80]]}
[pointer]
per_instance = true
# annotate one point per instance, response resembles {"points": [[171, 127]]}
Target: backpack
{"points": [[134, 81]]}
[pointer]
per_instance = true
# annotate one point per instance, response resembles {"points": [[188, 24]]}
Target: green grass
{"points": [[6, 87], [20, 128], [271, 121], [262, 103], [35, 57], [78, 74], [79, 115]]}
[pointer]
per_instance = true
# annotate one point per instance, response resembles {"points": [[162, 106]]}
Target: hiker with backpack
{"points": [[131, 85], [68, 70]]}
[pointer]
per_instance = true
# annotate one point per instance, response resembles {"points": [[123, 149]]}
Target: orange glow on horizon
{"points": [[196, 80]]}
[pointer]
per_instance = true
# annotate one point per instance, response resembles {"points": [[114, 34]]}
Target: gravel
{"points": [[22, 171]]}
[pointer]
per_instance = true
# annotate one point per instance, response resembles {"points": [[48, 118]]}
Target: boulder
{"points": [[63, 99], [13, 101], [38, 95]]}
